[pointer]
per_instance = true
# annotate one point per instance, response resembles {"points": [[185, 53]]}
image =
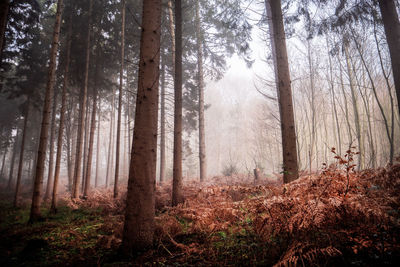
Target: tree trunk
{"points": [[121, 81], [85, 143], [110, 144], [332, 91], [3, 162], [91, 141], [51, 151], [200, 80], [140, 203], [355, 110], [62, 119], [21, 155], [14, 153], [162, 122], [392, 30], [278, 42], [82, 104], [177, 196], [44, 131], [4, 8], [96, 181]]}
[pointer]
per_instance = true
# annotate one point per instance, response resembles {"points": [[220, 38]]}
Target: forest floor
{"points": [[336, 217]]}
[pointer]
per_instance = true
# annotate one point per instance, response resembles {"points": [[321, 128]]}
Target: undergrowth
{"points": [[338, 217]]}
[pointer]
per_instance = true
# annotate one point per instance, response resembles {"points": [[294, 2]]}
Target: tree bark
{"points": [[121, 81], [62, 119], [82, 104], [200, 80], [140, 203], [392, 30], [4, 8], [51, 150], [278, 42], [177, 196], [44, 131], [21, 155]]}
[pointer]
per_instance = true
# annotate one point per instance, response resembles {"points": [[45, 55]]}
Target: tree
{"points": [[282, 76], [4, 7], [82, 108], [21, 154], [177, 196], [62, 118], [121, 81], [41, 155], [200, 84], [140, 203], [391, 24]]}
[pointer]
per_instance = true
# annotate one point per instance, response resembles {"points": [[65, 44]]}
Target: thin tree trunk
{"points": [[390, 96], [44, 131], [91, 141], [200, 80], [62, 119], [121, 81], [140, 204], [177, 196], [21, 155], [82, 104], [96, 182], [332, 91], [110, 146], [4, 8], [3, 162], [278, 42], [51, 151], [391, 24], [85, 144], [162, 122], [355, 110], [14, 153]]}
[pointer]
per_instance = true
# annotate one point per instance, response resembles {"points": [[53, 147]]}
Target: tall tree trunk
{"points": [[332, 91], [177, 196], [200, 80], [85, 143], [91, 141], [162, 121], [96, 181], [44, 131], [62, 118], [82, 104], [51, 151], [172, 32], [3, 162], [392, 30], [355, 109], [390, 96], [121, 81], [140, 204], [14, 153], [278, 42], [4, 8], [21, 155], [110, 144]]}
